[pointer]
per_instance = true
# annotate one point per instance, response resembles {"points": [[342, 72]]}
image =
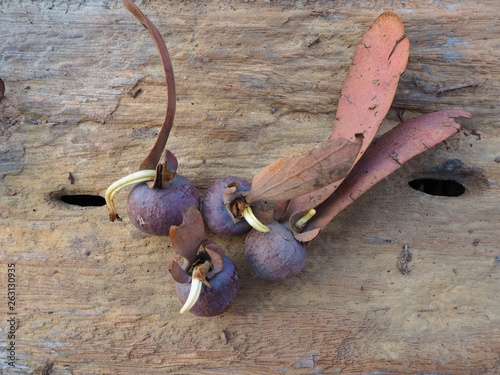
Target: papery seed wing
{"points": [[367, 94], [171, 162], [187, 237], [384, 156], [230, 193], [178, 273], [216, 256], [372, 80], [286, 178], [214, 247]]}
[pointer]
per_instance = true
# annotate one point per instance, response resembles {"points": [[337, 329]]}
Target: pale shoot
{"points": [[302, 221], [253, 221], [194, 294], [197, 281], [134, 178]]}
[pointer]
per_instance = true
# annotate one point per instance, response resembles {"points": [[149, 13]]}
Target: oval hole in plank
{"points": [[443, 188], [84, 200]]}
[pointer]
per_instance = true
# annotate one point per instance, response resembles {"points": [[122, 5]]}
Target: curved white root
{"points": [[194, 294], [299, 224], [253, 221], [134, 178]]}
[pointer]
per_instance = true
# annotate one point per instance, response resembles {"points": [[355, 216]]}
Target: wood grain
{"points": [[95, 297]]}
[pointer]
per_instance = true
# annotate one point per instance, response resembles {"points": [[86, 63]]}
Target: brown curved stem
{"points": [[384, 156], [155, 154]]}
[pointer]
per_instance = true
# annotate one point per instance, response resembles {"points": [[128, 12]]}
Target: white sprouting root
{"points": [[194, 294], [134, 178], [299, 224], [197, 281], [253, 221]]}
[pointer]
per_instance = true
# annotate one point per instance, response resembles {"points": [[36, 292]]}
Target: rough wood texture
{"points": [[255, 81]]}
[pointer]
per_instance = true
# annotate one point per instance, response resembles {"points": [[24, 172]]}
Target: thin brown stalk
{"points": [[154, 155]]}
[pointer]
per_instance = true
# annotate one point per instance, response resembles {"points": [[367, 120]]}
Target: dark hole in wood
{"points": [[84, 200], [443, 188], [2, 89]]}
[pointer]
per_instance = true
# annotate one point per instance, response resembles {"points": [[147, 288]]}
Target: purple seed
{"points": [[275, 255], [155, 210], [215, 212], [219, 297]]}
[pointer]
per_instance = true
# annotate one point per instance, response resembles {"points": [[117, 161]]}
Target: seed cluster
{"points": [[308, 191]]}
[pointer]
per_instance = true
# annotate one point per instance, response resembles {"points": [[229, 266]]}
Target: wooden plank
{"points": [[255, 81]]}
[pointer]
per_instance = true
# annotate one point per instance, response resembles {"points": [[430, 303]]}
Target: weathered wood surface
{"points": [[95, 297]]}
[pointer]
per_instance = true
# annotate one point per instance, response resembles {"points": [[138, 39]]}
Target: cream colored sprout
{"points": [[197, 281], [134, 178], [194, 294], [253, 221], [299, 224]]}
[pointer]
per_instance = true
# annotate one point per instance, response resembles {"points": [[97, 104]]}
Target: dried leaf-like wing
{"points": [[307, 236], [231, 193], [213, 246], [171, 162], [178, 273], [168, 171], [286, 178], [155, 154], [367, 94], [216, 256], [372, 80], [187, 237], [384, 156]]}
